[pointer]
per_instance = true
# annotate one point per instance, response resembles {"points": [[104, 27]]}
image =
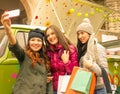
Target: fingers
{"points": [[65, 56], [5, 20], [49, 79], [66, 52], [4, 17]]}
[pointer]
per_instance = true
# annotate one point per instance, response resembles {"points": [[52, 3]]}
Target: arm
{"points": [[14, 47], [100, 60], [7, 23]]}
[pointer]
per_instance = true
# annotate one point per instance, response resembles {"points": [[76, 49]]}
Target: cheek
{"points": [[86, 39], [41, 45], [48, 39], [56, 41]]}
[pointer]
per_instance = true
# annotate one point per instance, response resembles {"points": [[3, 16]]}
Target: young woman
{"points": [[62, 54], [91, 55], [32, 76]]}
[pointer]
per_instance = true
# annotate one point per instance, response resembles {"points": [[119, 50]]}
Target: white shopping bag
{"points": [[62, 83]]}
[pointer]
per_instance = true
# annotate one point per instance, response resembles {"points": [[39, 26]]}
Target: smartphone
{"points": [[13, 13]]}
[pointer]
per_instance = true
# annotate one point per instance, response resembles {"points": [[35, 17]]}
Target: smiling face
{"points": [[51, 37], [83, 36], [35, 44]]}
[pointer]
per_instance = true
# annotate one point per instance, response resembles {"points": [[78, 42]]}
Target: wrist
{"points": [[8, 32], [65, 61]]}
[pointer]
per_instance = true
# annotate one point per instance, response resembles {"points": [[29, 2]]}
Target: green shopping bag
{"points": [[82, 81]]}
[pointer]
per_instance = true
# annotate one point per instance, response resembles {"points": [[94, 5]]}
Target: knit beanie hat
{"points": [[85, 26], [35, 33]]}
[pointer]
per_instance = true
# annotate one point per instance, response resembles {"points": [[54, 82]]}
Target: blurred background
{"points": [[67, 14]]}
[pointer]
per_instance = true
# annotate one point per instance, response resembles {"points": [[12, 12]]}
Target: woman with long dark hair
{"points": [[91, 55], [61, 53]]}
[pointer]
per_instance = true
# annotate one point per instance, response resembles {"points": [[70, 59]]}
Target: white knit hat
{"points": [[85, 26]]}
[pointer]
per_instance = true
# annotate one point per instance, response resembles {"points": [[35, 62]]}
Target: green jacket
{"points": [[30, 80]]}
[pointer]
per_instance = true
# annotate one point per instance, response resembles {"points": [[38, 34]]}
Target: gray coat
{"points": [[99, 59], [30, 80]]}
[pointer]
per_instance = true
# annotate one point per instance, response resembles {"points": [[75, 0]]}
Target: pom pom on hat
{"points": [[35, 33], [85, 26]]}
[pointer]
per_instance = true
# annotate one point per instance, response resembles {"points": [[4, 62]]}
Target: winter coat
{"points": [[99, 59], [30, 80], [57, 65]]}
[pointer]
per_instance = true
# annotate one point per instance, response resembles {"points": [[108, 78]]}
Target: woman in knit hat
{"points": [[32, 76], [91, 55]]}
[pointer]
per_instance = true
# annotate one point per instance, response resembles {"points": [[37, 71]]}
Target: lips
{"points": [[36, 46]]}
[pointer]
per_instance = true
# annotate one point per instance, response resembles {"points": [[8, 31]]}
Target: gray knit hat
{"points": [[85, 26], [35, 33]]}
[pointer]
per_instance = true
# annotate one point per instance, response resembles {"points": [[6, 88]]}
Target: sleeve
{"points": [[102, 57], [73, 59], [18, 51], [101, 60], [49, 88]]}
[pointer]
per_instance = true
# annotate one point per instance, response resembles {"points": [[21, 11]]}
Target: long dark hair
{"points": [[82, 48]]}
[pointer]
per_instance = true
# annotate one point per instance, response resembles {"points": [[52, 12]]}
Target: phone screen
{"points": [[13, 13]]}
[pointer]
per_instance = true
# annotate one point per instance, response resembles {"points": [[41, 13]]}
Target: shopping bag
{"points": [[71, 91], [62, 83], [93, 83], [82, 81]]}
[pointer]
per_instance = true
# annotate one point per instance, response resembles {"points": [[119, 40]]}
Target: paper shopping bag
{"points": [[93, 84], [71, 91], [62, 83], [82, 81]]}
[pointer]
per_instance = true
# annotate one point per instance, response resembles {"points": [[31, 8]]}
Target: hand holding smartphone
{"points": [[13, 13]]}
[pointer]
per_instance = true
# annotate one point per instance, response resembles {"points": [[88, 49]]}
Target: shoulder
{"points": [[100, 47], [72, 48]]}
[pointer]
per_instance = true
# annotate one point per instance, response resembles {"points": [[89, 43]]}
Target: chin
{"points": [[36, 50]]}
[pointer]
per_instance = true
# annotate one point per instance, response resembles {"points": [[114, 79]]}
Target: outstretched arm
{"points": [[6, 22]]}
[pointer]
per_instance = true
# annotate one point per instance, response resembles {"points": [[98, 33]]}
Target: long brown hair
{"points": [[36, 56], [61, 38]]}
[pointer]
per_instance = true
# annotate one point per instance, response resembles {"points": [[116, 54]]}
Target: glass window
{"points": [[22, 38], [3, 42]]}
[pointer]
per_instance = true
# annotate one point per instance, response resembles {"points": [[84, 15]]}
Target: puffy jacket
{"points": [[57, 65]]}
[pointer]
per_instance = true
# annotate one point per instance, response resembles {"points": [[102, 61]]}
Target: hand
{"points": [[84, 69], [87, 61], [49, 79], [65, 56], [6, 21]]}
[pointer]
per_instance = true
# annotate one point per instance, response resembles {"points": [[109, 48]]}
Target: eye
{"points": [[39, 40], [32, 39]]}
